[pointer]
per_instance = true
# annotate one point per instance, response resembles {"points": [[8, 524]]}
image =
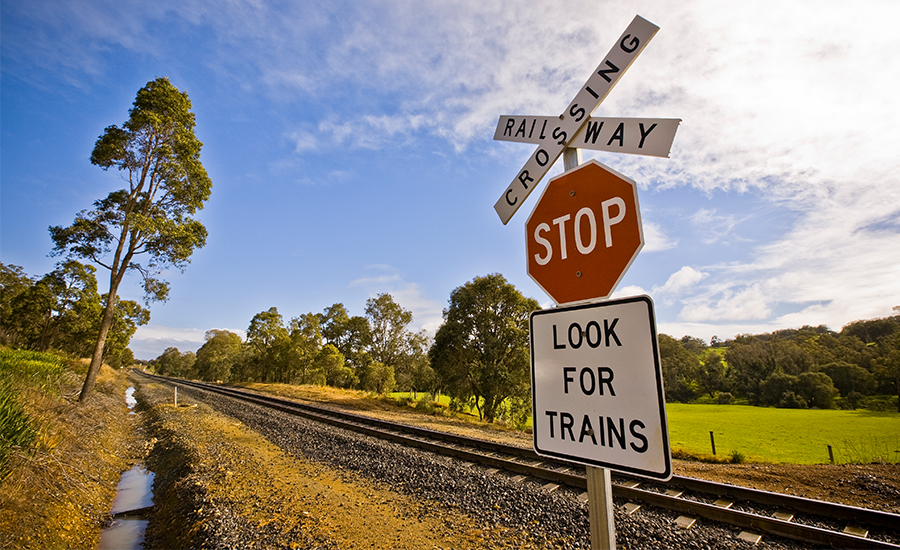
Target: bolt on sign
{"points": [[597, 387], [568, 125], [584, 233]]}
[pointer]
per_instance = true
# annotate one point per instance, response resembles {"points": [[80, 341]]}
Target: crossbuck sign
{"points": [[563, 130]]}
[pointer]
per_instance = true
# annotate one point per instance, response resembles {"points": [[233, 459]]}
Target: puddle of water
{"points": [[123, 534], [129, 399], [134, 490], [133, 493]]}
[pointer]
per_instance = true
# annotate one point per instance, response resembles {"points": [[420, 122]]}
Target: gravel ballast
{"points": [[556, 519]]}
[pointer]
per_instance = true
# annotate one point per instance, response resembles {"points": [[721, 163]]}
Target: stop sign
{"points": [[584, 233]]}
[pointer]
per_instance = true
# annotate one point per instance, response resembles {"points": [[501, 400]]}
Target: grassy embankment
{"points": [[60, 460]]}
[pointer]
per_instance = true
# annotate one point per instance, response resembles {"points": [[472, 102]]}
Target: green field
{"points": [[790, 436], [796, 436]]}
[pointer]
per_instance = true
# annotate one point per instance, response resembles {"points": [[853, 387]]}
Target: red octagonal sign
{"points": [[584, 233]]}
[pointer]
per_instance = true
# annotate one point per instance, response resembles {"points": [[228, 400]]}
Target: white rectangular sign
{"points": [[594, 91], [597, 387], [637, 136]]}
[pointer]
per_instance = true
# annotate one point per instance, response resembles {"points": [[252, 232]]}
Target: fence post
{"points": [[830, 454], [712, 440]]}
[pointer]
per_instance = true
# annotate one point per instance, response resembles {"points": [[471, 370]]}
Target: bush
{"points": [[17, 431], [790, 400], [725, 398], [851, 401], [737, 457]]}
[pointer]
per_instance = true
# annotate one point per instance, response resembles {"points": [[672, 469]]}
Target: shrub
{"points": [[725, 398], [790, 400], [737, 457], [17, 432]]}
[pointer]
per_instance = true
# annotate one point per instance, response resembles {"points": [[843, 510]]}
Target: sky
{"points": [[350, 146]]}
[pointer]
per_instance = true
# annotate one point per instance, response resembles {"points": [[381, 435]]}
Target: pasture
{"points": [[794, 436]]}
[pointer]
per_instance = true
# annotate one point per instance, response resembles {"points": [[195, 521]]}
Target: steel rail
{"points": [[418, 438]]}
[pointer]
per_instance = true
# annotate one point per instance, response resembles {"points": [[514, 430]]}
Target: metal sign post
{"points": [[601, 513]]}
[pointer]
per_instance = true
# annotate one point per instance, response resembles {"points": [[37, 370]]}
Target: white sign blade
{"points": [[637, 136], [597, 389], [594, 91]]}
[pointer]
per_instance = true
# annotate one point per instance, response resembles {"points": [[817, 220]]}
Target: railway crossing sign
{"points": [[569, 124], [637, 136], [584, 233], [597, 388]]}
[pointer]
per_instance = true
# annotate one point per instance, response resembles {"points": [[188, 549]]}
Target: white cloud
{"points": [[684, 278], [427, 313], [711, 226], [655, 240]]}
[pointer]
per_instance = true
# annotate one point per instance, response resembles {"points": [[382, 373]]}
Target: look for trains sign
{"points": [[597, 387]]}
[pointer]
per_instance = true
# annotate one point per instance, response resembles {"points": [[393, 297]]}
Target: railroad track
{"points": [[757, 512]]}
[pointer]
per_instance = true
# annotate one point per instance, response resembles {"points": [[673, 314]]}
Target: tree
{"points": [[350, 335], [817, 388], [172, 362], [387, 329], [680, 369], [481, 350], [269, 341], [888, 364], [216, 357], [159, 156], [330, 362], [849, 378], [711, 375], [377, 377], [303, 350], [56, 311], [13, 282]]}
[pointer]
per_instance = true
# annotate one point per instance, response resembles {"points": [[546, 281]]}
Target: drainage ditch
{"points": [[132, 506]]}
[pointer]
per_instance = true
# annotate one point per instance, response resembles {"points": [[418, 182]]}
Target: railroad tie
{"points": [[674, 493], [550, 487], [631, 484], [724, 503], [685, 522], [783, 515], [631, 507], [861, 532], [750, 537]]}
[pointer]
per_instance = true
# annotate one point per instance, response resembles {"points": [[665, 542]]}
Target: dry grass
{"points": [[387, 408], [60, 497]]}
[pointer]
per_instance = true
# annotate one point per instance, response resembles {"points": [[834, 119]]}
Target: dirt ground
{"points": [[291, 501]]}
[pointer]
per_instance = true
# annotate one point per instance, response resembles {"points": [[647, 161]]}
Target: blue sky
{"points": [[350, 148]]}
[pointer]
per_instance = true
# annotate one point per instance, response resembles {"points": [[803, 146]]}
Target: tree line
{"points": [[793, 368], [63, 311], [479, 355]]}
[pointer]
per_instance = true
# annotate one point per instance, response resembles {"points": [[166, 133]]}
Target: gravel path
{"points": [[556, 519]]}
